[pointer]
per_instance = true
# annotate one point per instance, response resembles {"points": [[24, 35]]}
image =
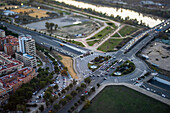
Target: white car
{"points": [[163, 95], [148, 89]]}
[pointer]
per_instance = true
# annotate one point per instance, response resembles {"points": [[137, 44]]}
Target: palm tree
{"points": [[56, 26], [51, 26], [47, 25]]}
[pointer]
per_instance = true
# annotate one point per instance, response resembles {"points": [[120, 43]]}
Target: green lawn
{"points": [[127, 30], [112, 24], [109, 45], [102, 33], [120, 99], [78, 43], [116, 35], [91, 43]]}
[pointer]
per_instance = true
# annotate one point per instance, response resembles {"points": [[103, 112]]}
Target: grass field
{"points": [[116, 35], [99, 36], [111, 24], [32, 12], [127, 30], [78, 43], [109, 45], [103, 33], [91, 43], [120, 99]]}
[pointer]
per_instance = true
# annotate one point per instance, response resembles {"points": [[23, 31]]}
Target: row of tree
{"points": [[18, 100], [51, 26]]}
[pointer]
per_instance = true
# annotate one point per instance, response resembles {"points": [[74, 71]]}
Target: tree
{"points": [[67, 88], [73, 93], [56, 87], [51, 26], [72, 108], [56, 26], [51, 99], [42, 84], [71, 85], [63, 91], [20, 107], [50, 89], [79, 89], [98, 85], [47, 25], [64, 72], [74, 82], [87, 104], [87, 80], [82, 98], [83, 85], [41, 108], [47, 68], [68, 97], [51, 48], [47, 103], [56, 106], [93, 89], [75, 104], [47, 95], [63, 101]]}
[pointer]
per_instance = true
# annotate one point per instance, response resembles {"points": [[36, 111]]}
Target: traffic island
{"points": [[124, 69], [97, 62]]}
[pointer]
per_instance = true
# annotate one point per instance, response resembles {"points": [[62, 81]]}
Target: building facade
{"points": [[27, 51]]}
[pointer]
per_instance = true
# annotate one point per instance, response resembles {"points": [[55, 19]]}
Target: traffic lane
{"points": [[39, 38], [158, 90]]}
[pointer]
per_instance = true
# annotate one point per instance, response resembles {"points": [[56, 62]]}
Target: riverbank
{"points": [[117, 14], [161, 13]]}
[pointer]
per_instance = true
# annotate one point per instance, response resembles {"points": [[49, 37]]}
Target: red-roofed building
{"points": [[9, 64], [11, 82], [9, 44]]}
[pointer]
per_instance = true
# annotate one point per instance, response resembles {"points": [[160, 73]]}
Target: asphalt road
{"points": [[48, 41], [120, 55]]}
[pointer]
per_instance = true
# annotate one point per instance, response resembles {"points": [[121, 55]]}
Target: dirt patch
{"points": [[68, 62], [158, 54], [32, 12]]}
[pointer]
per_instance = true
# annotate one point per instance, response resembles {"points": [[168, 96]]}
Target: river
{"points": [[148, 20]]}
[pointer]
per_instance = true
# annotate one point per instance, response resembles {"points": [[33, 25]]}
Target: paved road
{"points": [[49, 41]]}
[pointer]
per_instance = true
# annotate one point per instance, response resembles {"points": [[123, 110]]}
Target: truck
{"points": [[61, 45]]}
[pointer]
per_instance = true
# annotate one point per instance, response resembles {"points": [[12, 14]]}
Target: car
{"points": [[93, 78], [98, 75], [82, 94], [105, 78], [163, 95], [148, 89], [86, 92], [36, 101]]}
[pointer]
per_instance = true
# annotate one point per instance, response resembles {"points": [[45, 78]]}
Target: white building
{"points": [[2, 33], [8, 12], [27, 51]]}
